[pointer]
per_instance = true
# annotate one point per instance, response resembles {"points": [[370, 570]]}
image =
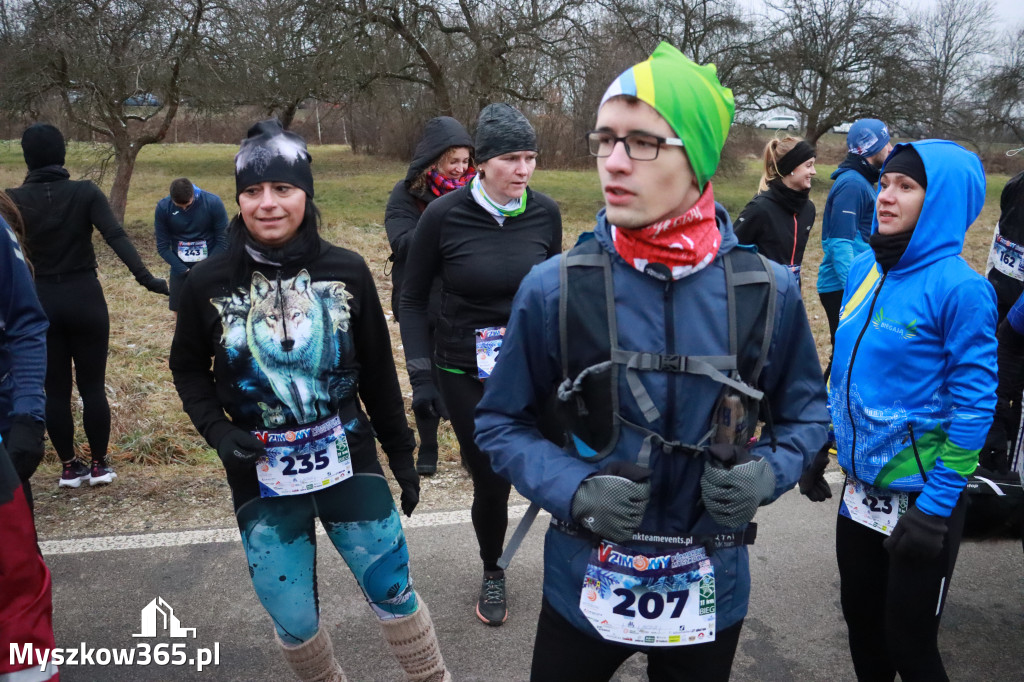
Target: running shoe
{"points": [[492, 608], [101, 473], [74, 472]]}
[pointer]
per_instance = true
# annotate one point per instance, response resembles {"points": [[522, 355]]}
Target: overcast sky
{"points": [[1009, 13]]}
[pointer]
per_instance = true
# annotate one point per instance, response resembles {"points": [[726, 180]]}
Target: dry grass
{"points": [[149, 427]]}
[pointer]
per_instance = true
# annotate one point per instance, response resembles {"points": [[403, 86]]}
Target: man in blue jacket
{"points": [[846, 222], [646, 551], [191, 225]]}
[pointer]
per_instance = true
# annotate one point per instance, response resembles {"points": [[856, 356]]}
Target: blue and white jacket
{"points": [[685, 317], [846, 221], [913, 384]]}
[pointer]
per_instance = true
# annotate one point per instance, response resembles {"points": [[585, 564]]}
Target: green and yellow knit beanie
{"points": [[689, 97]]}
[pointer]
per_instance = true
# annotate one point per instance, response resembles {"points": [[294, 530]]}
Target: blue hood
{"points": [[952, 202]]}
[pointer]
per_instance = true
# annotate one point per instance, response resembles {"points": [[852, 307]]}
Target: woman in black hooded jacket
{"points": [[59, 216], [441, 163], [779, 218]]}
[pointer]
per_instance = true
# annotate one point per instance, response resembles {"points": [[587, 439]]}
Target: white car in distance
{"points": [[778, 123]]}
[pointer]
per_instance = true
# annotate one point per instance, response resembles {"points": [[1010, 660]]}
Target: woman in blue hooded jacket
{"points": [[912, 396]]}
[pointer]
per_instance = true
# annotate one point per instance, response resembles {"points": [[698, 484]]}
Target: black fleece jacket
{"points": [[481, 264], [776, 225], [59, 215], [340, 354], [1011, 226], [405, 205]]}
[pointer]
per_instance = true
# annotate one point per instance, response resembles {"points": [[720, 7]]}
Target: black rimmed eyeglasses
{"points": [[639, 146]]}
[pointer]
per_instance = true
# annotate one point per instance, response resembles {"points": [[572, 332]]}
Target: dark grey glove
{"points": [[426, 400], [25, 444], [612, 502], [240, 449], [917, 536], [734, 484], [409, 482], [158, 285], [812, 481]]}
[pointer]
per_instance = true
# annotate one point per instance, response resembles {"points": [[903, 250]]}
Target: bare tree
{"points": [[116, 67], [955, 34], [1001, 98], [833, 60]]}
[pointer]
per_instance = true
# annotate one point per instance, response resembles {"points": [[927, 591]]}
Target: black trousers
{"points": [[892, 606], [561, 652], [832, 302], [79, 333], [461, 393]]}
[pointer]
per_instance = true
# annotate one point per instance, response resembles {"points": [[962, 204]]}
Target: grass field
{"points": [[149, 426]]}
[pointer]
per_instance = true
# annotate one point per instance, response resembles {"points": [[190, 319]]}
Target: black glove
{"points": [[157, 285], [734, 484], [612, 502], [25, 444], [240, 449], [426, 400], [917, 536], [812, 481], [409, 482]]}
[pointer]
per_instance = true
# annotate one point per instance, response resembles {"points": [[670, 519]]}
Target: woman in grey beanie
{"points": [[481, 240]]}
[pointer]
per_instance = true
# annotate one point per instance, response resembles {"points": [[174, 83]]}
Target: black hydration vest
{"points": [[588, 397]]}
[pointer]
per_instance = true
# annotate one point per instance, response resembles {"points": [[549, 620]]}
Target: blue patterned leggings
{"points": [[279, 538]]}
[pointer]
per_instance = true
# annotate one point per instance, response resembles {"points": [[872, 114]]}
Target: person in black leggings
{"points": [[481, 240], [59, 215]]}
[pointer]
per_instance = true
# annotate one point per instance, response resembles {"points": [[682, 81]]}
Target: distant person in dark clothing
{"points": [[780, 216], [481, 240], [443, 162], [60, 215], [190, 226]]}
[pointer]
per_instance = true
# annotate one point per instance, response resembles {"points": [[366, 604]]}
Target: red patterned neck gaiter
{"points": [[685, 244]]}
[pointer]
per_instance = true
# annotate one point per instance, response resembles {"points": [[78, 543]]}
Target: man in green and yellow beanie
{"points": [[663, 341]]}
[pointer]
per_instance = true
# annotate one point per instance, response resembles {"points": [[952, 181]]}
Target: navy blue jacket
{"points": [[683, 317], [205, 219], [22, 336], [846, 221]]}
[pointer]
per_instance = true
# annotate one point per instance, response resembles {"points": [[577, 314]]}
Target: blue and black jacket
{"points": [[206, 220], [846, 221]]}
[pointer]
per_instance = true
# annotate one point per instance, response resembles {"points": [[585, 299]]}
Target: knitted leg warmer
{"points": [[414, 643], [313, 660]]}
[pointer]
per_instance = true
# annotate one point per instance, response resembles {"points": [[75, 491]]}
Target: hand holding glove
{"points": [[157, 285], [812, 481], [734, 484], [612, 502], [917, 536], [409, 482], [426, 400], [240, 449], [25, 444]]}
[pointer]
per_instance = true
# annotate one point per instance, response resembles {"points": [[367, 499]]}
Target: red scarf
{"points": [[441, 185], [685, 244]]}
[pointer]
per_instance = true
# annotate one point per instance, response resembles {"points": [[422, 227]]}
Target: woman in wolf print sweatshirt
{"points": [[301, 384]]}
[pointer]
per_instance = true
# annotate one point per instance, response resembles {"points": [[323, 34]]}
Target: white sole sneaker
{"points": [[105, 478], [71, 482]]}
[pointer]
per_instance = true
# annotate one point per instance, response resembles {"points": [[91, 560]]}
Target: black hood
{"points": [[859, 164], [438, 135]]}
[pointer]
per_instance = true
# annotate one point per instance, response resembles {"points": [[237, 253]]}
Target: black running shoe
{"points": [[73, 473], [492, 608]]}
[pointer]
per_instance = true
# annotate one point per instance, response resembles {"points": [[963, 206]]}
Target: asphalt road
{"points": [[794, 630]]}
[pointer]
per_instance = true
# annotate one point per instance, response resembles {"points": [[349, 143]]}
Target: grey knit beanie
{"points": [[501, 129], [269, 153]]}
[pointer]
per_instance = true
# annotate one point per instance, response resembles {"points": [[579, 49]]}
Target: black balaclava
{"points": [[43, 145], [889, 248]]}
